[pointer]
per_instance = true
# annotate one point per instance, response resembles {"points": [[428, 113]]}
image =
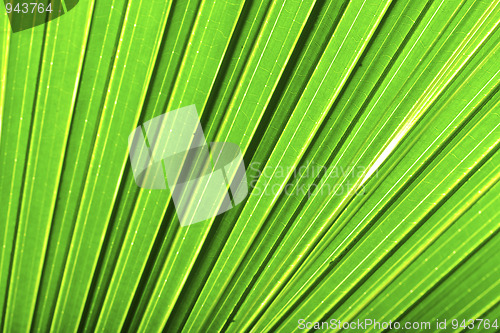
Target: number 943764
{"points": [[25, 8]]}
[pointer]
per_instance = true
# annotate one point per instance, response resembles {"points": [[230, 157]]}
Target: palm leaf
{"points": [[370, 133]]}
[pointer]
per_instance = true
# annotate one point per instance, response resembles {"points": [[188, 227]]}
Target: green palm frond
{"points": [[370, 135]]}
